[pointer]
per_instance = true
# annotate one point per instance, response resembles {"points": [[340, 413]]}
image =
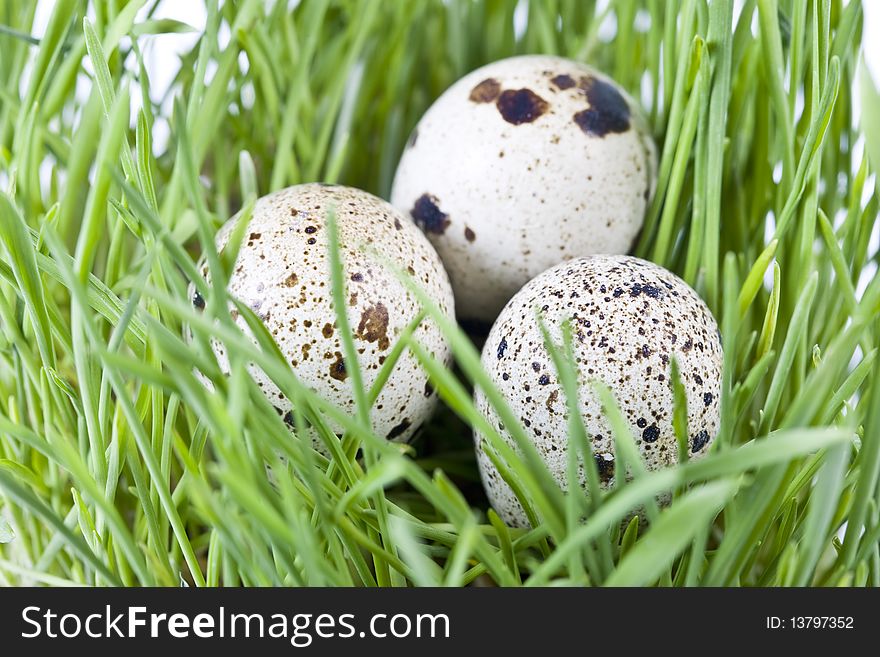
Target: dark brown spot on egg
{"points": [[651, 434], [608, 111], [327, 331], [357, 278], [605, 466], [398, 429], [291, 280], [563, 81], [486, 91], [469, 235], [707, 398], [699, 441], [373, 326], [518, 106], [255, 236], [337, 368], [429, 216], [646, 289], [502, 347], [397, 224], [552, 400]]}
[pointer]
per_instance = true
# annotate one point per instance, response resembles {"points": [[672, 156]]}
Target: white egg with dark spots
{"points": [[522, 164], [629, 319], [282, 273]]}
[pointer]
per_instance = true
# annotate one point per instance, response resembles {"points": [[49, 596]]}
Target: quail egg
{"points": [[629, 318], [522, 164], [282, 273]]}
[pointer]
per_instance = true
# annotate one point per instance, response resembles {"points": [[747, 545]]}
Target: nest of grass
{"points": [[119, 467]]}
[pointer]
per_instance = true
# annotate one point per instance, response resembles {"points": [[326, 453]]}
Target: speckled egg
{"points": [[282, 273], [522, 164], [629, 318]]}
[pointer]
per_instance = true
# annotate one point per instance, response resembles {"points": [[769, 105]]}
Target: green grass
{"points": [[117, 466]]}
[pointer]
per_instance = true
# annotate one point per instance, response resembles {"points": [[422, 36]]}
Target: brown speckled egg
{"points": [[629, 317], [283, 274], [522, 164]]}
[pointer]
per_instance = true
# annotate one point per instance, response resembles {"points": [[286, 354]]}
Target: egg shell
{"points": [[522, 164], [629, 318], [282, 273]]}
